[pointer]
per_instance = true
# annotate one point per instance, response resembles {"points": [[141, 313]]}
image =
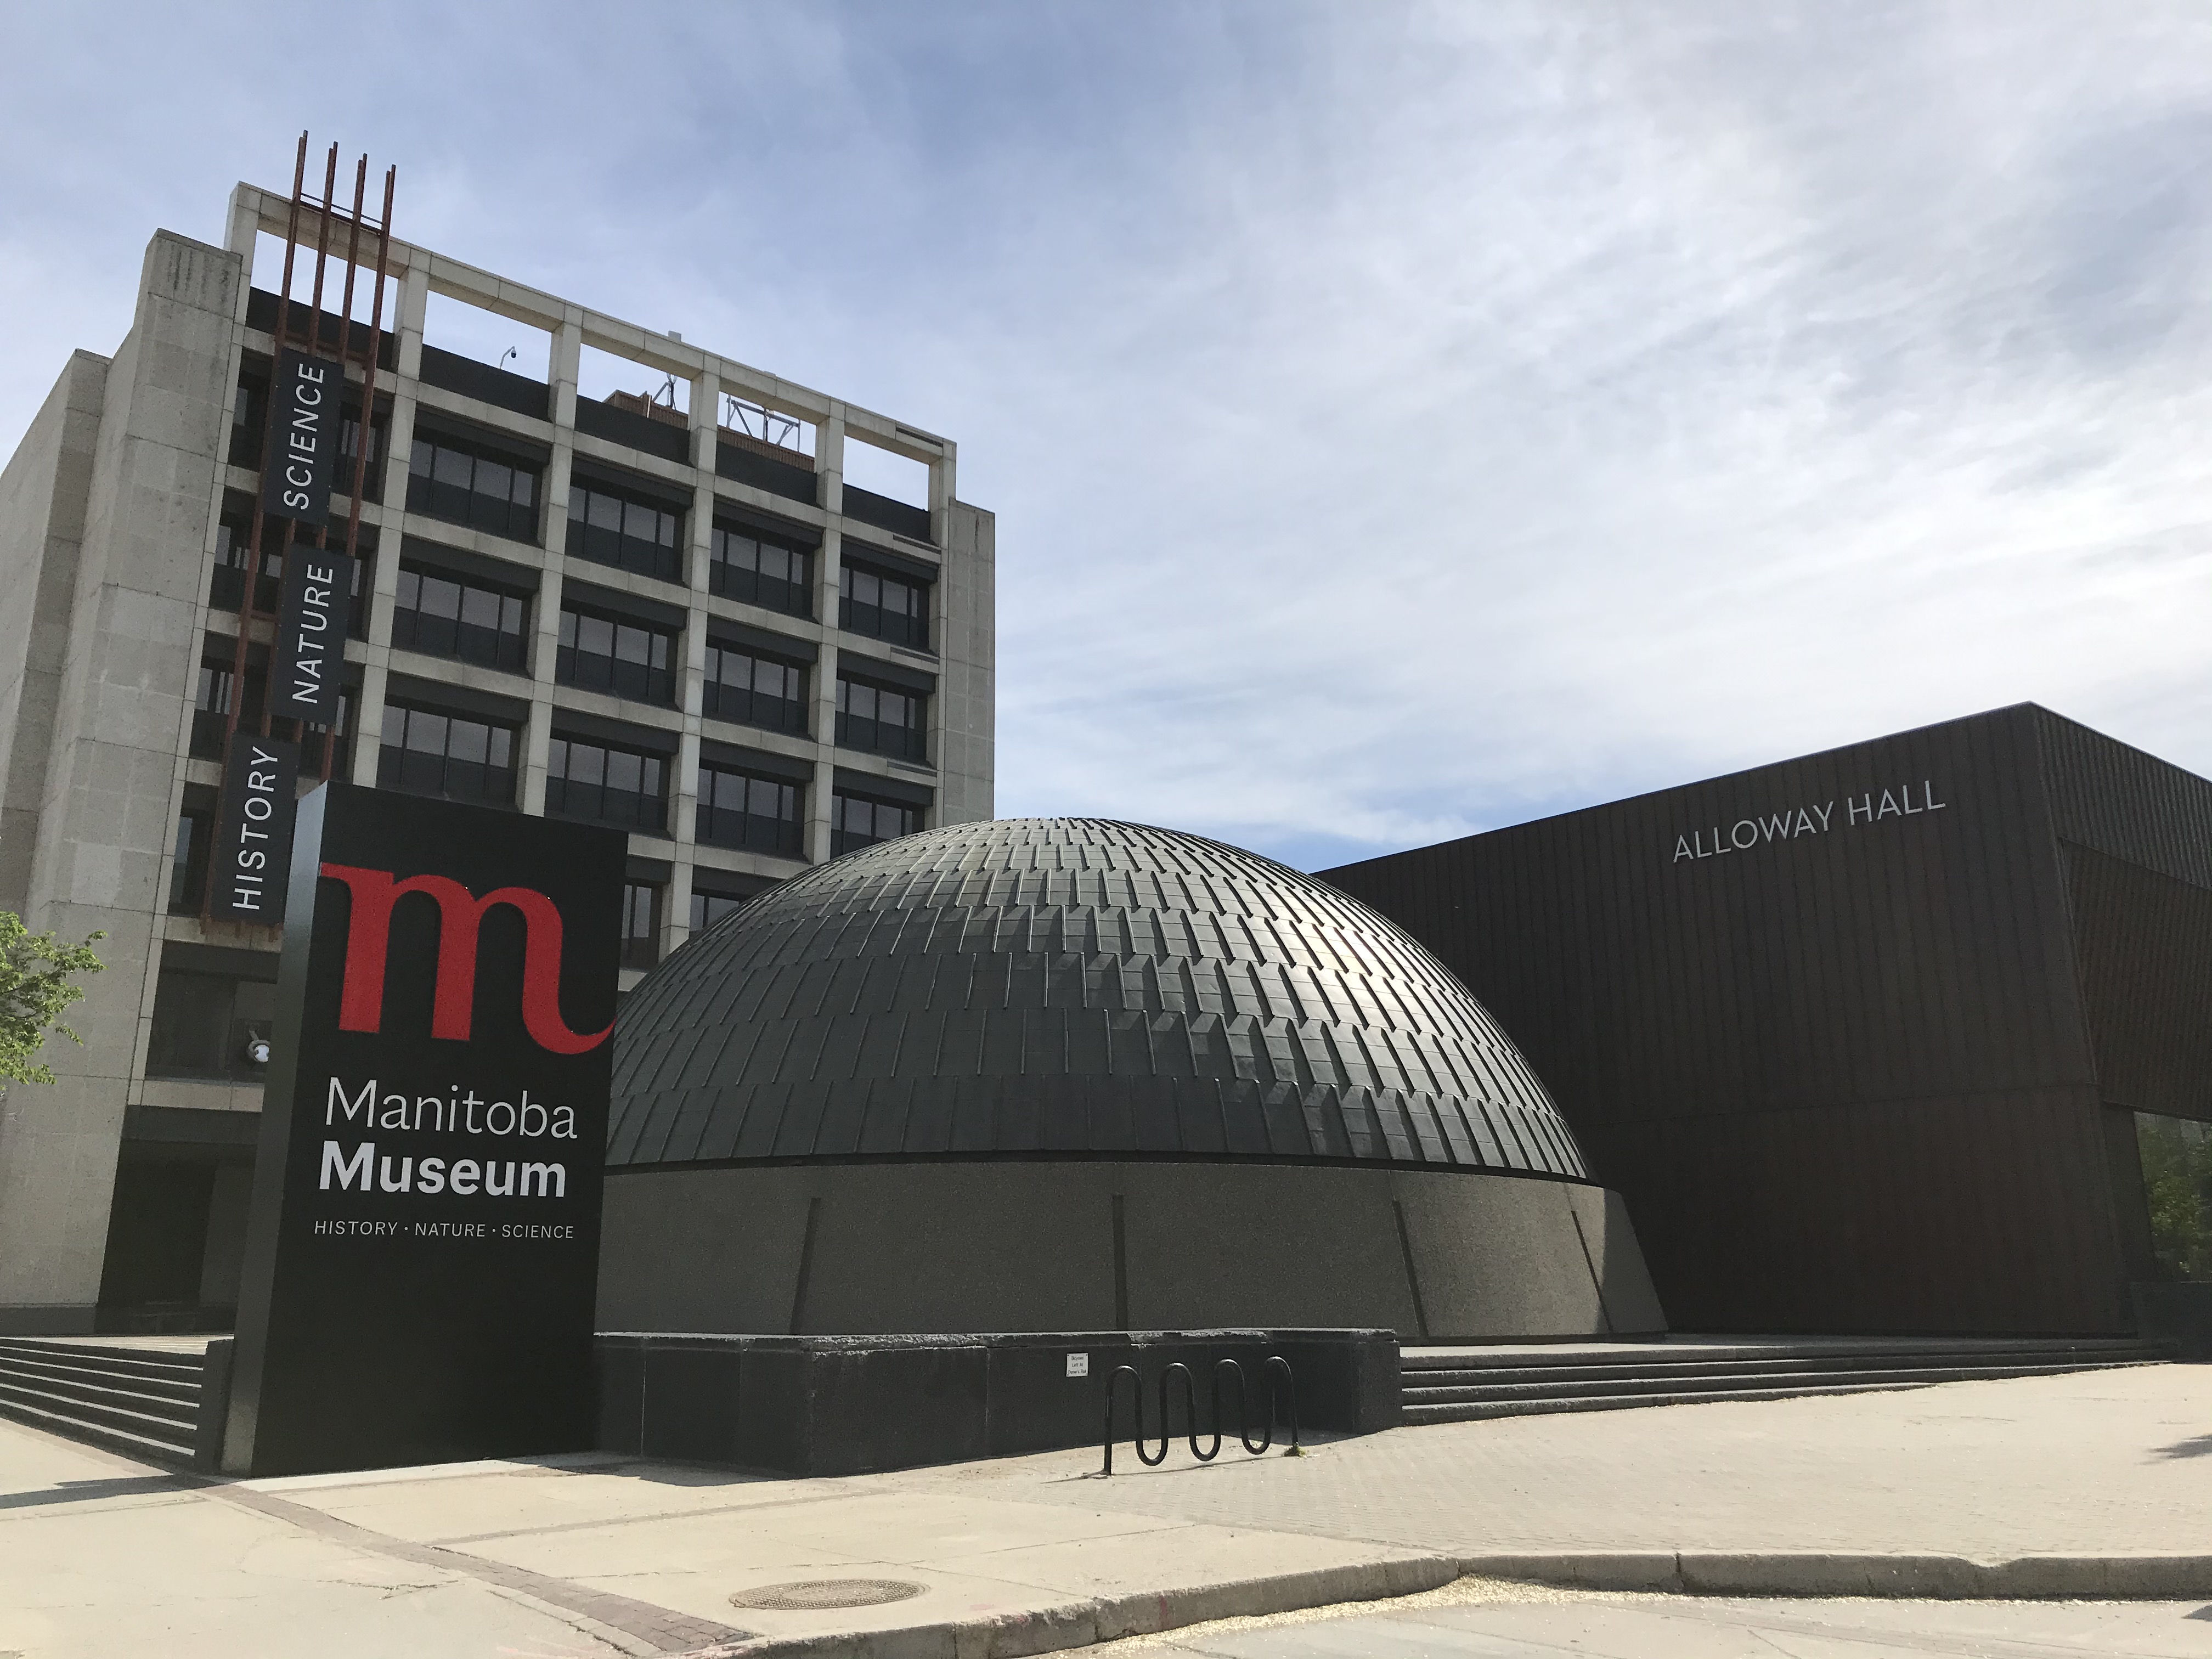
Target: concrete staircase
{"points": [[141, 1402], [1454, 1385]]}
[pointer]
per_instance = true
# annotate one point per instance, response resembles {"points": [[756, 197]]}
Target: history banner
{"points": [[249, 866], [421, 1255]]}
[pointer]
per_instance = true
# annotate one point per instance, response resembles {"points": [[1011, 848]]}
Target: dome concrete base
{"points": [[1006, 1245]]}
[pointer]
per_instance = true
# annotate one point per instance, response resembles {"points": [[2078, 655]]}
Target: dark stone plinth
{"points": [[847, 1404]]}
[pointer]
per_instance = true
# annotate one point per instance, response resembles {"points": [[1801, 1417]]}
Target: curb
{"points": [[1108, 1618], [1829, 1572], [1768, 1572]]}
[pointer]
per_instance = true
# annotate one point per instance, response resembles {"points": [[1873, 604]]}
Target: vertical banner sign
{"points": [[249, 866], [421, 1257], [312, 619], [303, 437]]}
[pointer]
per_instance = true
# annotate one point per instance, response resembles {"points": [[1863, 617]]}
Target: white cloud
{"points": [[1401, 421]]}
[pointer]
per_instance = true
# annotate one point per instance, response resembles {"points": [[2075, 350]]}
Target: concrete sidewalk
{"points": [[1930, 1491]]}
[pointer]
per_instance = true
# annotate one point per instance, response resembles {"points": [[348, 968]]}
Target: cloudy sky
{"points": [[1401, 420]]}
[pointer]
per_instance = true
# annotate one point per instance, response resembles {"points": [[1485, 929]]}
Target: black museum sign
{"points": [[423, 1249]]}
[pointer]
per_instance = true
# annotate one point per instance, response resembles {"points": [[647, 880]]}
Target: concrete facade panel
{"points": [[43, 498], [1009, 1245], [1495, 1261], [108, 793], [1630, 1300]]}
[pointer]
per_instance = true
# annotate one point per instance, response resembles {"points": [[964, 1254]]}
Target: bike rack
{"points": [[1282, 1388]]}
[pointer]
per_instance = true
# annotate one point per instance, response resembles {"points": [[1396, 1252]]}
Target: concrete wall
{"points": [[967, 648], [831, 1405], [944, 1246], [107, 803], [42, 505]]}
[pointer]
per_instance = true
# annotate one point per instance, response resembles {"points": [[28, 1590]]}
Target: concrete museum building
{"points": [[663, 609]]}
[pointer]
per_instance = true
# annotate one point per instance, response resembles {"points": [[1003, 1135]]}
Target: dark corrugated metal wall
{"points": [[1843, 1078], [2145, 953]]}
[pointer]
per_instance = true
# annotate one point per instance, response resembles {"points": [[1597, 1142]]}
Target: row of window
{"points": [[452, 618], [448, 617], [632, 531], [460, 758], [641, 922], [598, 653], [216, 688], [879, 720], [464, 482], [249, 425], [234, 551]]}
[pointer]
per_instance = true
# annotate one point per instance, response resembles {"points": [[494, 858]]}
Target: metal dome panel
{"points": [[1073, 987]]}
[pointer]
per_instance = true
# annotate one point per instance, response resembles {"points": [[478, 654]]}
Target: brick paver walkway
{"points": [[2114, 1461]]}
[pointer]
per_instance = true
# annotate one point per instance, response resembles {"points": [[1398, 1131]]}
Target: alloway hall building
{"points": [[1876, 1040]]}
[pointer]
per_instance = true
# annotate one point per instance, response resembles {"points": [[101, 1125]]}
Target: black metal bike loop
{"points": [[1282, 1391]]}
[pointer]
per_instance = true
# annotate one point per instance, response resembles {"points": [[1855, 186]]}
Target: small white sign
{"points": [[1079, 1364]]}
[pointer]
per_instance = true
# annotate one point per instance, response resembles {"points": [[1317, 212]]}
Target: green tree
{"points": [[2177, 1166], [35, 973]]}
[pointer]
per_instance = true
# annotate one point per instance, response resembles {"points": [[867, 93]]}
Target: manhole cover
{"points": [[809, 1593]]}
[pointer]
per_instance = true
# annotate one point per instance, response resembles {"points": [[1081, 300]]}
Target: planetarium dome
{"points": [[1031, 1073]]}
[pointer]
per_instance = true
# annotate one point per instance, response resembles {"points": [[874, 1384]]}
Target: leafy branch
{"points": [[36, 971]]}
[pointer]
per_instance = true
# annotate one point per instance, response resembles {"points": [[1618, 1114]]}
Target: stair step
{"points": [[169, 1409], [146, 1447], [131, 1416], [1581, 1358], [86, 1356], [185, 1386], [1439, 1376], [1632, 1383], [1418, 1414]]}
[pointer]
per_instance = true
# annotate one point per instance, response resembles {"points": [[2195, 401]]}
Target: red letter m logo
{"points": [[360, 1008]]}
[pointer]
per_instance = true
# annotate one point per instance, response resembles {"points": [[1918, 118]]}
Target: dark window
{"points": [[855, 822], [233, 551], [598, 653], [448, 755], [881, 720], [471, 378], [188, 864], [613, 528], [884, 607], [755, 690], [203, 1023], [885, 513], [760, 571], [452, 616], [341, 735], [709, 908], [211, 708], [249, 420], [736, 809], [640, 928], [447, 480], [605, 784], [372, 484]]}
